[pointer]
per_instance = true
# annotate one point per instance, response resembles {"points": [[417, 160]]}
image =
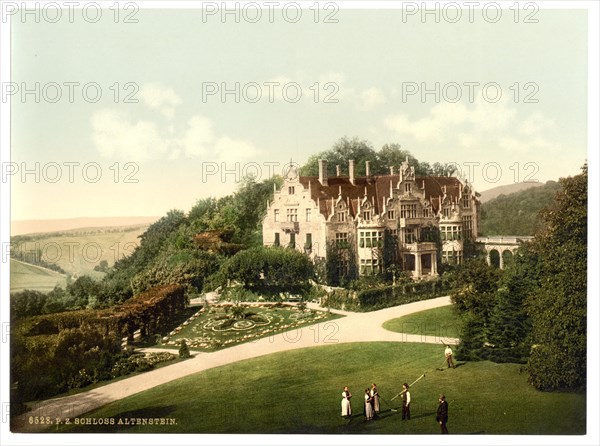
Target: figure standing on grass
{"points": [[346, 406], [368, 405], [375, 399], [405, 402], [442, 414], [448, 354]]}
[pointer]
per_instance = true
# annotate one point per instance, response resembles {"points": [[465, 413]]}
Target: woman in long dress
{"points": [[368, 405], [375, 396], [346, 406]]}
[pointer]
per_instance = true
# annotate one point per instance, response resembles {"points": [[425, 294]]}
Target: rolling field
{"points": [[25, 276], [76, 251], [300, 392]]}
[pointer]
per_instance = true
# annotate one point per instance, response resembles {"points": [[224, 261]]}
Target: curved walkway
{"points": [[355, 327]]}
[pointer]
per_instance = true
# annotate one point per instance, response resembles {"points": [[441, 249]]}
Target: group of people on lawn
{"points": [[371, 402], [371, 405]]}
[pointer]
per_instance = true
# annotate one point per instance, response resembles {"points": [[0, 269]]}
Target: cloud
{"points": [[160, 98], [535, 124], [117, 135], [371, 98]]}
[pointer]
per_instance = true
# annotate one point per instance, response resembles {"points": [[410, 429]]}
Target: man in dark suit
{"points": [[442, 414]]}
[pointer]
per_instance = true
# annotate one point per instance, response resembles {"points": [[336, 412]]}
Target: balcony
{"points": [[419, 247], [290, 227]]}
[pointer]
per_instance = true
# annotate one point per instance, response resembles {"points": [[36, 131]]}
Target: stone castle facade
{"points": [[424, 218]]}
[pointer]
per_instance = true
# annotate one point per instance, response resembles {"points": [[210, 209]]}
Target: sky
{"points": [[130, 118]]}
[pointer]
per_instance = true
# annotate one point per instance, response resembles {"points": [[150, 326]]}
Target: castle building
{"points": [[415, 220]]}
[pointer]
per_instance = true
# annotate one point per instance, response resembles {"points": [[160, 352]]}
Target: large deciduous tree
{"points": [[558, 307]]}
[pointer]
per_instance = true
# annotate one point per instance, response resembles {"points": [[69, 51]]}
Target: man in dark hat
{"points": [[442, 414]]}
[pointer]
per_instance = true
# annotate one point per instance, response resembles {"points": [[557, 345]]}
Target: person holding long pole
{"points": [[405, 402]]}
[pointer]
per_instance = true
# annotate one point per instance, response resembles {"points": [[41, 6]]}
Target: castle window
{"points": [[291, 190], [370, 266], [408, 188], [308, 243], [276, 241], [426, 212], [467, 226], [276, 215], [292, 214], [391, 214], [371, 239], [367, 215], [408, 211], [409, 235], [292, 243], [308, 211], [341, 216], [341, 238], [466, 202]]}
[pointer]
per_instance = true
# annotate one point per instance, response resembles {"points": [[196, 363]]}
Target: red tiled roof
{"points": [[378, 190]]}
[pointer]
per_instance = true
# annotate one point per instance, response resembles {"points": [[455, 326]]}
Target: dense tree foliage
{"points": [[360, 151], [558, 306], [517, 213], [535, 311], [272, 270]]}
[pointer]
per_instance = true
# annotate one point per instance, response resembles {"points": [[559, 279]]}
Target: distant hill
{"points": [[494, 192], [517, 213], [25, 276], [19, 227], [76, 251]]}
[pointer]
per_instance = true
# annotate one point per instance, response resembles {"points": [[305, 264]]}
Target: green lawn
{"points": [[300, 392], [442, 322], [25, 276]]}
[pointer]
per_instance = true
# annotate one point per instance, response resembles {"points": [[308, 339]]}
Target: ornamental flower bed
{"points": [[225, 325]]}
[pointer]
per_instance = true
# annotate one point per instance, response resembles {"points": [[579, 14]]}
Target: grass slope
{"points": [[79, 251], [300, 392], [25, 276], [442, 322]]}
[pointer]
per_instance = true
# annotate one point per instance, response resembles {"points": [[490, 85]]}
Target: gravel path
{"points": [[355, 327]]}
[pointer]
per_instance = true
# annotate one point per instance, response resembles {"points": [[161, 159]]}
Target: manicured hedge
{"points": [[385, 296]]}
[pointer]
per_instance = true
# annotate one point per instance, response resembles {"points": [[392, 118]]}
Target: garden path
{"points": [[353, 328]]}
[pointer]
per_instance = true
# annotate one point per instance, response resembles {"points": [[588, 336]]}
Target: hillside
{"points": [[78, 251], [20, 227], [25, 276], [494, 192], [516, 213]]}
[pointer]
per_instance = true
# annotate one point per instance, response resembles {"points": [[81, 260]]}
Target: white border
{"points": [[592, 437]]}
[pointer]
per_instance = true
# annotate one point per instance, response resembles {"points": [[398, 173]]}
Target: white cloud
{"points": [[535, 124], [371, 98], [116, 135], [161, 98], [455, 119]]}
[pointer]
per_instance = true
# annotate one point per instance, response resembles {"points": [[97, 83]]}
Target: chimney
{"points": [[323, 172], [351, 171], [368, 168], [338, 171]]}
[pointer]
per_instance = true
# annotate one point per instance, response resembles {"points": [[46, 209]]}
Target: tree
{"points": [[269, 269], [474, 295], [184, 350], [558, 307], [341, 152], [510, 327]]}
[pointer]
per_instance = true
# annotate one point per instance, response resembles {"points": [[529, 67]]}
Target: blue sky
{"points": [[175, 136]]}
